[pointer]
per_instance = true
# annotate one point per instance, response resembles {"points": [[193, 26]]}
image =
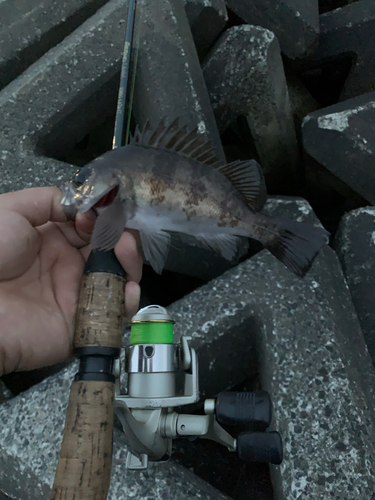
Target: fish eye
{"points": [[79, 179]]}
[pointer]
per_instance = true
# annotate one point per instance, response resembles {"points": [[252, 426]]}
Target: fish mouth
{"points": [[108, 197], [105, 198]]}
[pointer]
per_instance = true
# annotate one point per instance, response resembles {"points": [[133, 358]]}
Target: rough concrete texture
{"points": [[301, 101], [342, 137], [350, 32], [169, 80], [29, 29], [355, 246], [73, 88], [207, 19], [244, 76], [312, 359], [294, 22]]}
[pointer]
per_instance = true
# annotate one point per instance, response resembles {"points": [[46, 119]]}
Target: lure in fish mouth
{"points": [[169, 180]]}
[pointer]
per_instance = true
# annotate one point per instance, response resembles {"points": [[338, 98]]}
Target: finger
{"points": [[79, 232], [127, 253], [19, 244], [136, 235], [85, 251], [132, 298], [37, 205], [84, 224]]}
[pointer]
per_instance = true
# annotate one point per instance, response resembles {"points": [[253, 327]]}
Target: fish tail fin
{"points": [[295, 244]]}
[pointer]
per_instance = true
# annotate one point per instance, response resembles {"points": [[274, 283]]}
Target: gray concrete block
{"points": [[341, 136], [312, 358], [350, 32], [55, 103], [29, 29], [301, 101], [294, 22], [169, 80], [355, 246], [245, 76], [73, 88], [207, 19]]}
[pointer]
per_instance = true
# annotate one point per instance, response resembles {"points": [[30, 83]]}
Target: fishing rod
{"points": [[84, 467], [152, 361]]}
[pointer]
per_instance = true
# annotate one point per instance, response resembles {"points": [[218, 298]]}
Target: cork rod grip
{"points": [[100, 311], [84, 468]]}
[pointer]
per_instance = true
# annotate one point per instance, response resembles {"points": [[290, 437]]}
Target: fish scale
{"points": [[164, 186]]}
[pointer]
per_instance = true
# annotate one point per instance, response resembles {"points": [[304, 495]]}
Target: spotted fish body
{"points": [[169, 180]]}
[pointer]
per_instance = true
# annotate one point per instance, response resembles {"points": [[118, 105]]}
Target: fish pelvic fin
{"points": [[246, 176], [295, 244], [155, 245]]}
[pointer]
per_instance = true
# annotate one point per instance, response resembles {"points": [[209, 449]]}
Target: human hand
{"points": [[42, 256]]}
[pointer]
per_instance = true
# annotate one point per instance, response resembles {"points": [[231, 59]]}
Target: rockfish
{"points": [[168, 180]]}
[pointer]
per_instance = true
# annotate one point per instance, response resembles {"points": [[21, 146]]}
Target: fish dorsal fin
{"points": [[177, 139], [246, 176]]}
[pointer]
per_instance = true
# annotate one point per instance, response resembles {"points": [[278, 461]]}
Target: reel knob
{"points": [[244, 408], [260, 447]]}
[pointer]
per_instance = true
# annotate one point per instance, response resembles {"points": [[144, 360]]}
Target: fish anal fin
{"points": [[247, 177], [155, 245], [225, 245]]}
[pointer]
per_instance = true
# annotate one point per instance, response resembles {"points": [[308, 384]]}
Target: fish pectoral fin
{"points": [[109, 226], [225, 245], [155, 246]]}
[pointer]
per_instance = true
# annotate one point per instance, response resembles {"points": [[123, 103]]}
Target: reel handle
{"points": [[260, 447], [244, 408], [84, 467]]}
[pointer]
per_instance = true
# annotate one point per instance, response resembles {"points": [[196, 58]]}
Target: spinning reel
{"points": [[161, 376]]}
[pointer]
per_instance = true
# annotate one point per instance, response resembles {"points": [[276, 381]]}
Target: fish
{"points": [[169, 180]]}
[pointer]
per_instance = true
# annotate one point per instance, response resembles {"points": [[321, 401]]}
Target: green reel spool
{"points": [[152, 325]]}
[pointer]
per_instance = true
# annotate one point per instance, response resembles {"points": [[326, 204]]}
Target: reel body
{"points": [[163, 375]]}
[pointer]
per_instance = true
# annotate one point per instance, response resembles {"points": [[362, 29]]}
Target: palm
{"points": [[41, 265], [40, 297]]}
